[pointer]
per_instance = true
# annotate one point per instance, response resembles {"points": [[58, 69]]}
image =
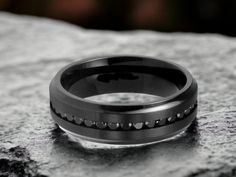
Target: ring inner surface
{"points": [[123, 80]]}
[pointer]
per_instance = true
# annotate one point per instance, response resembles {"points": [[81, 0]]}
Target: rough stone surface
{"points": [[33, 49]]}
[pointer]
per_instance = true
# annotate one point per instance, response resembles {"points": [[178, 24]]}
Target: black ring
{"points": [[172, 110]]}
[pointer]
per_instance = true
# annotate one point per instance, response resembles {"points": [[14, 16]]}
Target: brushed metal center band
{"points": [[123, 123]]}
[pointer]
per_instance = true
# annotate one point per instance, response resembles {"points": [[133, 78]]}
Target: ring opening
{"points": [[123, 80]]}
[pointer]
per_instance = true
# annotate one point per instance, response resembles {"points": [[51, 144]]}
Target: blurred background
{"points": [[202, 16]]}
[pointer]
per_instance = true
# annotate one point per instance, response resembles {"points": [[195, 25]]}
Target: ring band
{"points": [[170, 110]]}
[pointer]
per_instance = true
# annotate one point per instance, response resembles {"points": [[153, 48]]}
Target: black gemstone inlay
{"points": [[138, 125], [64, 116], [161, 122], [88, 123], [180, 115], [113, 125], [171, 119], [150, 124], [78, 120], [70, 117], [101, 125], [126, 126], [187, 111]]}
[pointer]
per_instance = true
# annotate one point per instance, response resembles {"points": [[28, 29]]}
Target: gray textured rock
{"points": [[33, 49]]}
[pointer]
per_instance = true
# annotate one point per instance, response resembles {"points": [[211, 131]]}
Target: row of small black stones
{"points": [[124, 126]]}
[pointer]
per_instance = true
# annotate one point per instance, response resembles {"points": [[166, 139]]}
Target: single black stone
{"points": [[187, 111], [88, 123], [113, 125], [150, 124], [101, 125], [125, 126], [78, 120], [171, 119], [138, 125], [161, 122], [70, 117], [180, 115]]}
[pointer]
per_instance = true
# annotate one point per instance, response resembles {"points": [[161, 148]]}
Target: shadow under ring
{"points": [[171, 109]]}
